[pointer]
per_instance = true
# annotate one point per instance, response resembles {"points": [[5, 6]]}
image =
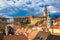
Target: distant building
{"points": [[56, 22], [3, 22], [23, 20], [11, 20]]}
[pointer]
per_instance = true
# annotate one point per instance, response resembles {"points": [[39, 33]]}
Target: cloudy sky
{"points": [[11, 8]]}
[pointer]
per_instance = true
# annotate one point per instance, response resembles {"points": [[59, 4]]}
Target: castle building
{"points": [[23, 20]]}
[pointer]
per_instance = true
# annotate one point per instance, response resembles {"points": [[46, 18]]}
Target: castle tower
{"points": [[45, 11], [47, 15]]}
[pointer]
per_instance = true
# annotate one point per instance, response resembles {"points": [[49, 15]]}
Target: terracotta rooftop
{"points": [[15, 37], [29, 31], [42, 25], [18, 31], [55, 27], [42, 16], [57, 19], [33, 34]]}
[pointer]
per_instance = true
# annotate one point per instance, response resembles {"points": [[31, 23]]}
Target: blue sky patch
{"points": [[13, 8]]}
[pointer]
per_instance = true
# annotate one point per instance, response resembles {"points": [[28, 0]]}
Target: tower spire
{"points": [[45, 11]]}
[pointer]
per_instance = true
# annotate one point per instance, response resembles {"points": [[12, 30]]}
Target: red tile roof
{"points": [[42, 16], [33, 34], [29, 31], [15, 37], [18, 31], [55, 27]]}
